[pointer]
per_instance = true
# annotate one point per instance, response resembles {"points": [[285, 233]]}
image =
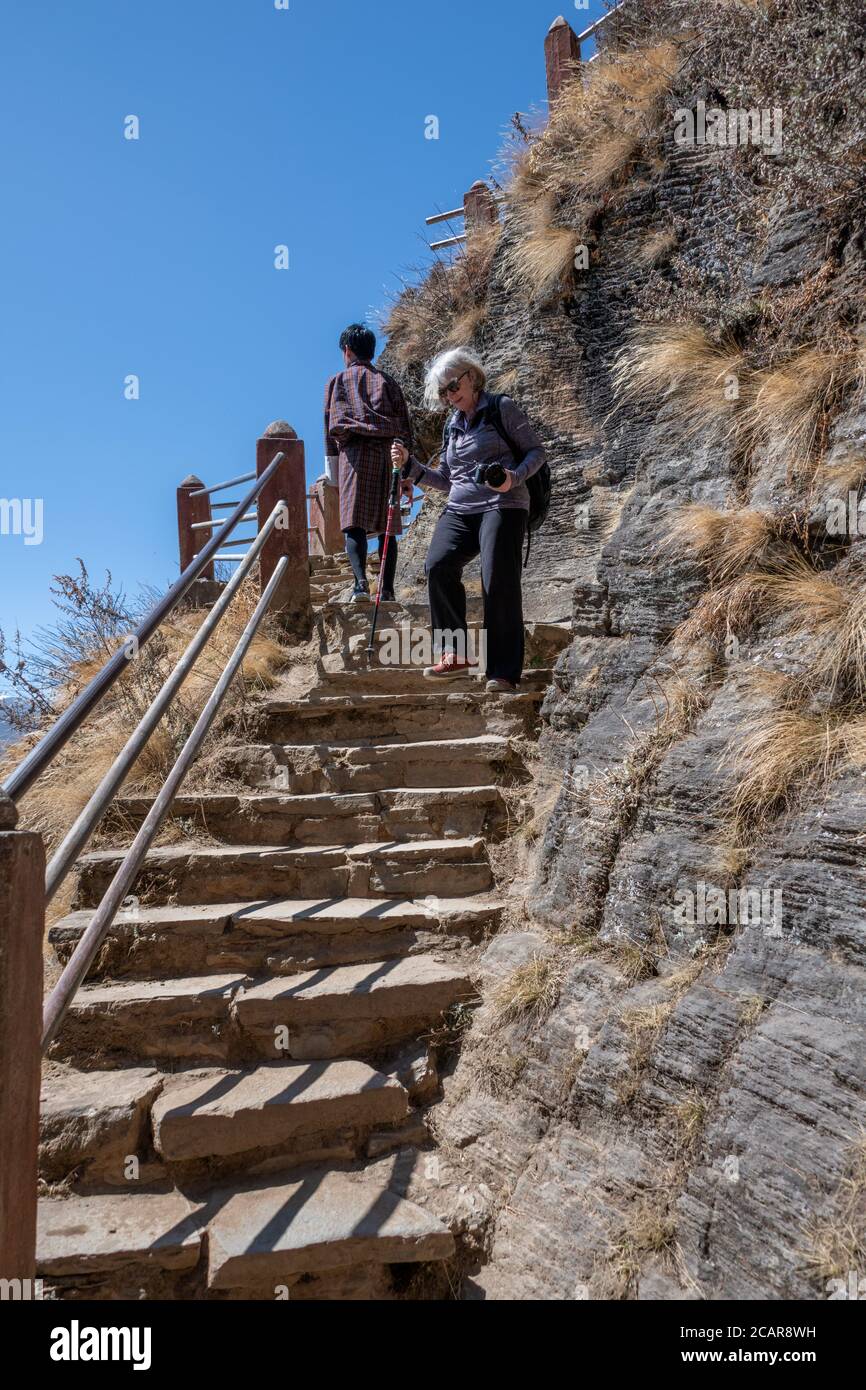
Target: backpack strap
{"points": [[494, 415], [446, 433]]}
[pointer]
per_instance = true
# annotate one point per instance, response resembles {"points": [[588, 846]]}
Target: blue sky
{"points": [[258, 126]]}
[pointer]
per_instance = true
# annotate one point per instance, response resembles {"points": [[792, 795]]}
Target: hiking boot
{"points": [[497, 686], [450, 669], [360, 594], [389, 596]]}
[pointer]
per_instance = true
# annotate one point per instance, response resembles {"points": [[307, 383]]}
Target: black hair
{"points": [[361, 340]]}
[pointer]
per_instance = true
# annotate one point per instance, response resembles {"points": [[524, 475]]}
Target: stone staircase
{"points": [[239, 1091]]}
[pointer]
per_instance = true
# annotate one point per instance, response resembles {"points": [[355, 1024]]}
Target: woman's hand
{"points": [[399, 454], [506, 486]]}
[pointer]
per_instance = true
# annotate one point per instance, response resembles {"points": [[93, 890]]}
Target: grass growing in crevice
{"points": [[529, 994], [838, 1238], [649, 1230]]}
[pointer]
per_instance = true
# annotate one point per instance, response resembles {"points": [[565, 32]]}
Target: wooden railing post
{"points": [[22, 924], [326, 538], [189, 510], [288, 484], [479, 207], [561, 56]]}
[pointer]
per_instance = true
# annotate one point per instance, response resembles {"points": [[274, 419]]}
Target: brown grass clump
{"points": [[838, 1240], [838, 479], [727, 542], [545, 260], [720, 615], [435, 313], [62, 792], [642, 1027], [690, 1117], [791, 405], [657, 248], [602, 120], [650, 1230], [782, 753], [530, 992], [598, 128], [703, 381]]}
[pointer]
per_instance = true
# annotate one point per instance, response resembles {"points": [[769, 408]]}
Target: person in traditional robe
{"points": [[365, 413]]}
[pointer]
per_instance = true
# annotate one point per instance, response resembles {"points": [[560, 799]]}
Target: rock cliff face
{"points": [[664, 1093]]}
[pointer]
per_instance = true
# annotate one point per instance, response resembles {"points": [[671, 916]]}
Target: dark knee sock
{"points": [[390, 562], [356, 549]]}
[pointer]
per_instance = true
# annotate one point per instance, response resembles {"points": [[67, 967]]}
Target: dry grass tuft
{"points": [[702, 381], [791, 405], [545, 260], [782, 753], [751, 1009], [727, 542], [531, 992], [428, 317], [649, 1231], [838, 1241], [600, 122], [689, 1118], [642, 1027], [657, 248]]}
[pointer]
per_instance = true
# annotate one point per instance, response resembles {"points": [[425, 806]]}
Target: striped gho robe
{"points": [[364, 413]]}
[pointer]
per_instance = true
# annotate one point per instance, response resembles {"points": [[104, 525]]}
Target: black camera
{"points": [[491, 473]]}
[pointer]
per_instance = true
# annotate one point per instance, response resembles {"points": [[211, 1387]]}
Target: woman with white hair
{"points": [[489, 451]]}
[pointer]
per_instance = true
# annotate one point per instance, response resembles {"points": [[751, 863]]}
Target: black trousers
{"points": [[356, 549], [497, 536]]}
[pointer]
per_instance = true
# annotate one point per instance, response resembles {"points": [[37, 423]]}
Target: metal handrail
{"points": [[61, 997], [80, 832], [221, 487], [588, 32], [43, 754], [212, 524]]}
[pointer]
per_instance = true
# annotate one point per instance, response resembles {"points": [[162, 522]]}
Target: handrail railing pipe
{"points": [[40, 757], [80, 832], [82, 958]]}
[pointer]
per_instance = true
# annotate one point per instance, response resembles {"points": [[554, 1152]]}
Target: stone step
{"points": [[183, 1019], [344, 1012], [356, 1008], [119, 1246], [218, 1114], [308, 769], [91, 1122], [286, 936], [193, 874], [274, 818], [276, 1115], [380, 714], [360, 679], [271, 1236], [322, 1235]]}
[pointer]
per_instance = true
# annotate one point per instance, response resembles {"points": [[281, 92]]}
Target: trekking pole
{"points": [[393, 504]]}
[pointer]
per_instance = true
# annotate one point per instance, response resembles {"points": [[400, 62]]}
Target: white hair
{"points": [[448, 365]]}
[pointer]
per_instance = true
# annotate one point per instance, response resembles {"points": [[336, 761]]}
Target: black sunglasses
{"points": [[454, 385]]}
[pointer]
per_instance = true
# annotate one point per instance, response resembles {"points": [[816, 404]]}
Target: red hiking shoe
{"points": [[450, 669]]}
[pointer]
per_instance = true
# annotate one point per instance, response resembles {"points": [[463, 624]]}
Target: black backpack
{"points": [[539, 484]]}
